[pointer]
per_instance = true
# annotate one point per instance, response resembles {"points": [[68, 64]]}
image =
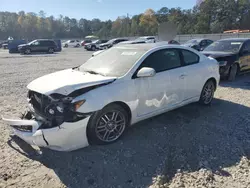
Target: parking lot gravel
{"points": [[194, 146]]}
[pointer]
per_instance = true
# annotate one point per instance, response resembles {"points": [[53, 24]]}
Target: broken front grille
{"points": [[39, 102]]}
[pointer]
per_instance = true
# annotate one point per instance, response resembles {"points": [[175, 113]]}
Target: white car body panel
{"points": [[145, 97], [67, 137]]}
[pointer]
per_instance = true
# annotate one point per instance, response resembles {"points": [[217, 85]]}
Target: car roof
{"points": [[45, 39], [149, 46], [235, 39]]}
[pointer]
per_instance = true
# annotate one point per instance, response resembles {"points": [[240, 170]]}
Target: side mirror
{"points": [[146, 72]]}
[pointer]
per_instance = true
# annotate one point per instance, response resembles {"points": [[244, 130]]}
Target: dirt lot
{"points": [[193, 146]]}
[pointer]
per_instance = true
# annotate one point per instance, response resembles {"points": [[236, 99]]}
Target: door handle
{"points": [[183, 76]]}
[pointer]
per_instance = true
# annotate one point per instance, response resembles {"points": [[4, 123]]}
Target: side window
{"points": [[77, 40], [209, 42], [37, 43], [163, 60], [44, 43], [246, 47], [72, 41], [189, 57], [203, 43], [52, 43]]}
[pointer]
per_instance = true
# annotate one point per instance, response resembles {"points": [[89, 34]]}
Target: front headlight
{"points": [[222, 63], [78, 104]]}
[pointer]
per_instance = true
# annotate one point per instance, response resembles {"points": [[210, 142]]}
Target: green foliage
{"points": [[211, 16]]}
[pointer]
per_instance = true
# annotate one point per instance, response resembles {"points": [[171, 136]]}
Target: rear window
{"points": [[190, 57]]}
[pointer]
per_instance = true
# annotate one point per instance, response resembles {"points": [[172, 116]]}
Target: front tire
{"points": [[93, 48], [233, 72], [107, 125], [27, 51], [207, 93]]}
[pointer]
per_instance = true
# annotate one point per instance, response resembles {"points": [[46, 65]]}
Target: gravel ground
{"points": [[193, 146]]}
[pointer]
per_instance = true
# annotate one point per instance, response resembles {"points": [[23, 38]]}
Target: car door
{"points": [[244, 54], [166, 88], [43, 46], [35, 46], [193, 72], [72, 43]]}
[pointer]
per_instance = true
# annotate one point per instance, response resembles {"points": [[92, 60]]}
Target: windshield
{"points": [[141, 38], [32, 42], [193, 41], [111, 41], [95, 41], [225, 46], [114, 62]]}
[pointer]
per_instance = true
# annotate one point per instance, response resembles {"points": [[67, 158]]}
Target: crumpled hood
{"points": [[66, 81]]}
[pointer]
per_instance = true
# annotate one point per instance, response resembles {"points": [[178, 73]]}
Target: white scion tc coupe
{"points": [[95, 102]]}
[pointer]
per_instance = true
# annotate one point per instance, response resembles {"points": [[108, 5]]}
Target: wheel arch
{"points": [[124, 106], [213, 80]]}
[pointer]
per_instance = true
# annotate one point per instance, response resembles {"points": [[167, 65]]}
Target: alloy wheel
{"points": [[110, 126], [208, 93]]}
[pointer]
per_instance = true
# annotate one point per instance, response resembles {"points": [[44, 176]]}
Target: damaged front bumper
{"points": [[66, 137]]}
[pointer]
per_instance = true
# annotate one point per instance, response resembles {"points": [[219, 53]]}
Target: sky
{"points": [[89, 9]]}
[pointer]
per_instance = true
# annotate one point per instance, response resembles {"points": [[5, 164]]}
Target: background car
{"points": [[85, 42], [112, 42], [71, 43], [147, 39], [4, 44], [39, 45], [198, 44], [96, 102], [233, 55], [173, 42], [94, 45]]}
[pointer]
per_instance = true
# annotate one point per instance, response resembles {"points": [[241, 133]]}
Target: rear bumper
{"points": [[66, 137]]}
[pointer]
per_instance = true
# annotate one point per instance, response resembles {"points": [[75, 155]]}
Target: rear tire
{"points": [[66, 46], [107, 125], [207, 93], [233, 72], [78, 45], [51, 50]]}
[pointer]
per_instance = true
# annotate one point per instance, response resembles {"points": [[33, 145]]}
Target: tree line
{"points": [[211, 16]]}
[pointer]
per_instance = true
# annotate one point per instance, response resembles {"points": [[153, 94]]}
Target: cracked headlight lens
{"points": [[78, 104]]}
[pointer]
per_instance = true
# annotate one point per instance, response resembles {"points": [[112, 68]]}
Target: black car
{"points": [[112, 42], [233, 56], [198, 44], [94, 45], [39, 45]]}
